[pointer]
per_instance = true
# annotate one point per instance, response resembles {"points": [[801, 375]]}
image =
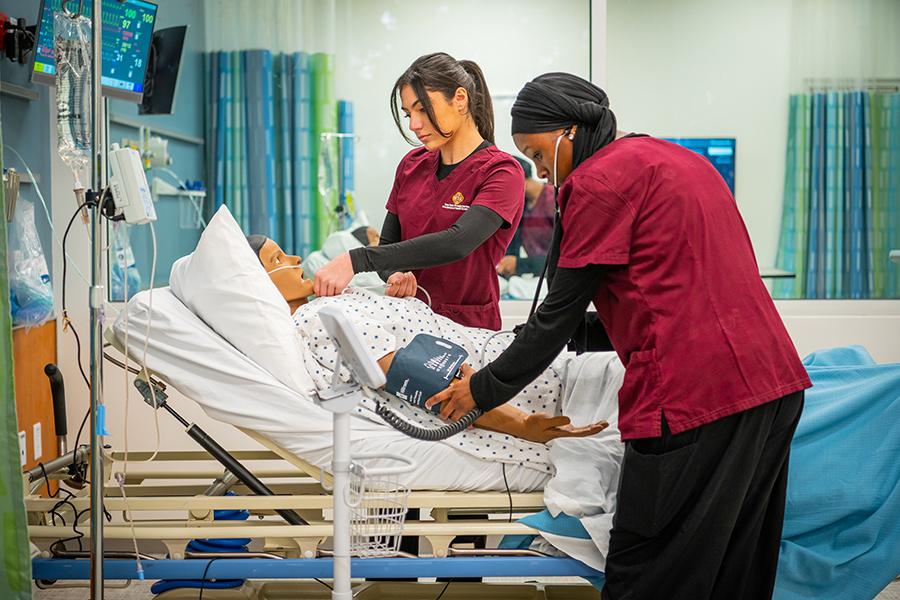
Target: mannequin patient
{"points": [[380, 314]]}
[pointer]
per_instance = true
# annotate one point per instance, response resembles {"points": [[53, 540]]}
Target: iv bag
{"points": [[72, 44], [29, 278]]}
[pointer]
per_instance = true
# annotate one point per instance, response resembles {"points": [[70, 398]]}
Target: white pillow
{"points": [[224, 284]]}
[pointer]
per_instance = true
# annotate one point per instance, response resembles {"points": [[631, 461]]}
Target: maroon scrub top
{"points": [[685, 307], [467, 290]]}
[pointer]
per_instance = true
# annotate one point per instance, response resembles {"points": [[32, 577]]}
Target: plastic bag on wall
{"points": [[123, 268], [30, 291]]}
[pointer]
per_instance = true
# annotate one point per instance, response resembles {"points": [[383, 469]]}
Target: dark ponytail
{"points": [[440, 72], [483, 109]]}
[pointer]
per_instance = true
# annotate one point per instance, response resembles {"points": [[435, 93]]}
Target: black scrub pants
{"points": [[699, 514]]}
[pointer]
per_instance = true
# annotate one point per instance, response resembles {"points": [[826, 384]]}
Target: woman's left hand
{"points": [[334, 277], [456, 400]]}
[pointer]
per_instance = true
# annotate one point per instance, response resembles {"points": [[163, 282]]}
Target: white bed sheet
{"points": [[232, 388]]}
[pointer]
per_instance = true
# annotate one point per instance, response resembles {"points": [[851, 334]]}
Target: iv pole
{"points": [[96, 299]]}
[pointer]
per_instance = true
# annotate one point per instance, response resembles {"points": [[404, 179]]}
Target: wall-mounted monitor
{"points": [[161, 81], [127, 34], [719, 151]]}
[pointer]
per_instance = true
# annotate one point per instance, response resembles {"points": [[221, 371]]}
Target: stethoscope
{"points": [[553, 241]]}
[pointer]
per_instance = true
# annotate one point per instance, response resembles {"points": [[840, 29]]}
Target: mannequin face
{"points": [[290, 282]]}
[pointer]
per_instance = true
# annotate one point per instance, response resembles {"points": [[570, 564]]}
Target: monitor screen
{"points": [[127, 33], [161, 81], [719, 151]]}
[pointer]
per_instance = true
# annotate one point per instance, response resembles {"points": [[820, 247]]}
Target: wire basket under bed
{"points": [[378, 503]]}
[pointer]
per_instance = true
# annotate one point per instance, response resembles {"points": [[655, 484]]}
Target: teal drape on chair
{"points": [[15, 570], [265, 113], [840, 214]]}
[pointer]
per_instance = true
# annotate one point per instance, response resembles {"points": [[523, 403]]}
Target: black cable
{"points": [[60, 504], [203, 578], [80, 429], [47, 480], [78, 535], [67, 324], [443, 591], [424, 433], [323, 583], [508, 493], [55, 515], [65, 236]]}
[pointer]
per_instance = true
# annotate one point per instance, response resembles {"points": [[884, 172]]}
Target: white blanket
{"points": [[587, 469]]}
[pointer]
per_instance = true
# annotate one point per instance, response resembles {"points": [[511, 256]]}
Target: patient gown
{"points": [[388, 324]]}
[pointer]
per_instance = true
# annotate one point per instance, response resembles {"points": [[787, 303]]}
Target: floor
{"points": [[142, 590]]}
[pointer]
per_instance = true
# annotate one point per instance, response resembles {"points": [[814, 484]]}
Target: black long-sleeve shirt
{"points": [[541, 339], [455, 243]]}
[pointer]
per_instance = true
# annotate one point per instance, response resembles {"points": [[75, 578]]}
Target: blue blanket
{"points": [[841, 536]]}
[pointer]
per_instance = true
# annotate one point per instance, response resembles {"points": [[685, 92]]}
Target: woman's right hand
{"points": [[401, 285]]}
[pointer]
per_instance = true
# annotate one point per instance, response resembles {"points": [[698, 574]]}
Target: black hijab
{"points": [[559, 100]]}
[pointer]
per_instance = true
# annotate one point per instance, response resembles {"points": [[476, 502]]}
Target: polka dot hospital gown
{"points": [[388, 324]]}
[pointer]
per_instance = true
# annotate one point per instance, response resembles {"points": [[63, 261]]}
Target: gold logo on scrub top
{"points": [[458, 198]]}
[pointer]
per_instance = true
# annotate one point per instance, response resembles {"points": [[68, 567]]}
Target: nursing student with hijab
{"points": [[713, 386], [455, 203]]}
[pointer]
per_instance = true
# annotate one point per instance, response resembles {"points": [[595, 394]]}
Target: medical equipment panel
{"points": [[127, 34], [130, 190]]}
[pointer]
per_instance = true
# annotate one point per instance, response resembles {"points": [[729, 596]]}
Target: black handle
{"points": [[242, 473], [58, 391]]}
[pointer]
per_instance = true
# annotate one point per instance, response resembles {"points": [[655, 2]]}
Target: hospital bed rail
{"points": [[150, 491]]}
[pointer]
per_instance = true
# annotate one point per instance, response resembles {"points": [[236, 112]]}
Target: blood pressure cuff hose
{"points": [[423, 368]]}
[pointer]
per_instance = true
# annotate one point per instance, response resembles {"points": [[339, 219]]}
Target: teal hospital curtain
{"points": [[840, 216], [15, 572], [265, 113]]}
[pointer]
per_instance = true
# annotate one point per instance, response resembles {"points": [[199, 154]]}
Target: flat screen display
{"points": [[719, 151], [127, 34]]}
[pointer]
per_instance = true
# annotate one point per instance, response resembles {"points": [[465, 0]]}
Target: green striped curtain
{"points": [[840, 216], [792, 246], [324, 117], [265, 114], [15, 571]]}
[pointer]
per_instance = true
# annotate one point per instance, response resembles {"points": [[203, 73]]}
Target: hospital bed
{"points": [[165, 500]]}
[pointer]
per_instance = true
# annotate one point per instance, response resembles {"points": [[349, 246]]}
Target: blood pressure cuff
{"points": [[423, 368]]}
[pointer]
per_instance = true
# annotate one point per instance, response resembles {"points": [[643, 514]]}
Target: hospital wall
{"points": [[726, 68]]}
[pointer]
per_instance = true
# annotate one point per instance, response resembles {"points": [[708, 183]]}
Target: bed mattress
{"points": [[232, 388]]}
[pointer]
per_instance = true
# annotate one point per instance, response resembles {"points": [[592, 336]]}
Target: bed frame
{"points": [[168, 509]]}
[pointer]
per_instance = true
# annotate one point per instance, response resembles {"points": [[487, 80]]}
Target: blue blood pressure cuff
{"points": [[423, 368]]}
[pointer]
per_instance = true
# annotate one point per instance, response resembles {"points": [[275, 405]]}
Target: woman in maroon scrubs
{"points": [[456, 200], [713, 386]]}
